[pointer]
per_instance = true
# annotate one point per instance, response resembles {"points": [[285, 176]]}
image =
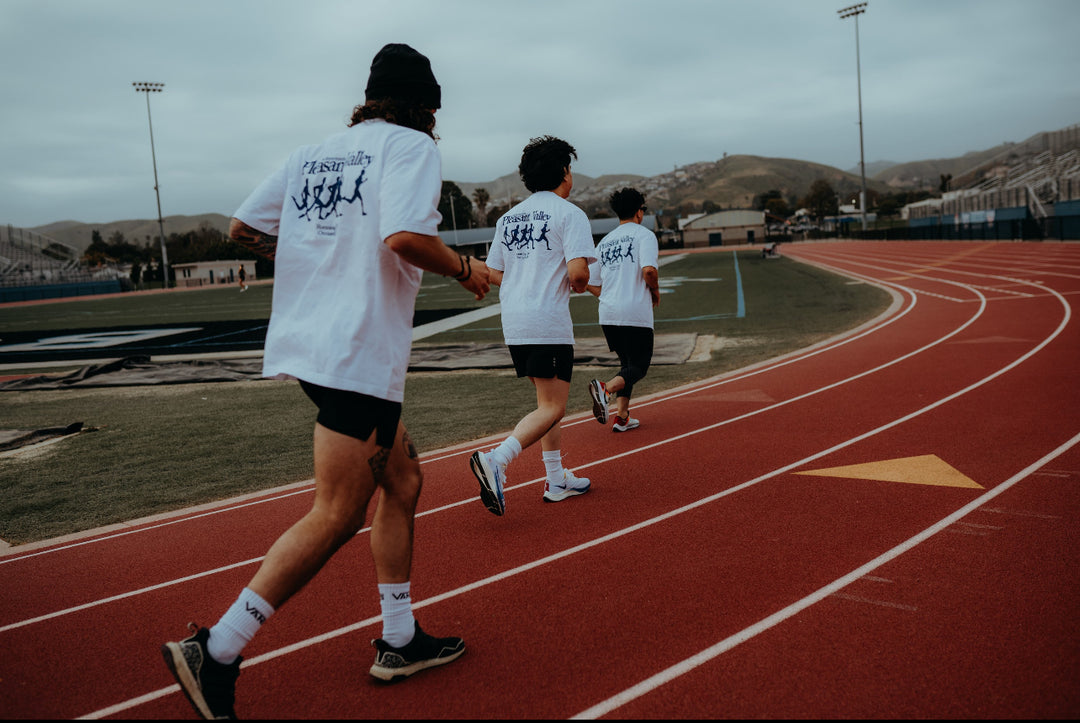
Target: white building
{"points": [[209, 273], [724, 228]]}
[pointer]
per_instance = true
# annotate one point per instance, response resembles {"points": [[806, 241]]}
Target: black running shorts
{"points": [[543, 361], [354, 414]]}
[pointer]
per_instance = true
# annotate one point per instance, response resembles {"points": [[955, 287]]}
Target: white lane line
{"points": [[122, 596], [724, 645], [704, 656], [666, 676], [656, 681]]}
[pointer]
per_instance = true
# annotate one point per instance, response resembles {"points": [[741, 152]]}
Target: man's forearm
{"points": [[252, 239]]}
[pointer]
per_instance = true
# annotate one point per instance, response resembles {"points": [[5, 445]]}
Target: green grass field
{"points": [[154, 449]]}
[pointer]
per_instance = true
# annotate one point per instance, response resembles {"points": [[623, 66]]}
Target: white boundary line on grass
{"points": [[15, 552], [86, 537], [470, 500]]}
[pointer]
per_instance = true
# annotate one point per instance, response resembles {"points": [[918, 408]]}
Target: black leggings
{"points": [[634, 347]]}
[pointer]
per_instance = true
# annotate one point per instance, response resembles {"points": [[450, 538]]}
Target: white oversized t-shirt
{"points": [[343, 300], [624, 297], [533, 241]]}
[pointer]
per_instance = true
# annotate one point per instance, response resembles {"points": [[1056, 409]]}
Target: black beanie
{"points": [[400, 72]]}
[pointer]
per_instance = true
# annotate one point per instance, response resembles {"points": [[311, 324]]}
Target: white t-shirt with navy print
{"points": [[623, 254], [533, 241], [343, 300]]}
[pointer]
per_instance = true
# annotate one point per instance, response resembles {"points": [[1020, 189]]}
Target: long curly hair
{"points": [[398, 112]]}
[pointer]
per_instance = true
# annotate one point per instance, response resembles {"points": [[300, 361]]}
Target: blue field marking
{"points": [[740, 300]]}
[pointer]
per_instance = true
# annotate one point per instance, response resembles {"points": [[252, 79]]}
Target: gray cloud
{"points": [[636, 86]]}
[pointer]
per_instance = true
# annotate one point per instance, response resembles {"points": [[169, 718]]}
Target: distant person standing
{"points": [[626, 280], [242, 275], [541, 252], [348, 267]]}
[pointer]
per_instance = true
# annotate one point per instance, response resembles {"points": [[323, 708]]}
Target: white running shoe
{"points": [[622, 425], [491, 478], [598, 392], [570, 487]]}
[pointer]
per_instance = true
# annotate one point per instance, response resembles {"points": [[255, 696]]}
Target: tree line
{"points": [[205, 243], [821, 200]]}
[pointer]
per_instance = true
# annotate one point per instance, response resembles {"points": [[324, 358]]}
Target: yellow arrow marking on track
{"points": [[927, 469]]}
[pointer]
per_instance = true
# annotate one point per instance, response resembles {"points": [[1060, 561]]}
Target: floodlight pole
{"points": [[855, 11], [149, 88]]}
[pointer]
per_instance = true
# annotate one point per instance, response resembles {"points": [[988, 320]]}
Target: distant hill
{"points": [[504, 187], [80, 235], [734, 181], [731, 182], [927, 174], [873, 168]]}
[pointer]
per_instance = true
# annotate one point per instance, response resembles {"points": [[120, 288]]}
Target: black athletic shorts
{"points": [[543, 361], [355, 414]]}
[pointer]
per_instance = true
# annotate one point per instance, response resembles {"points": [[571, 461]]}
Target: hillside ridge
{"points": [[730, 182]]}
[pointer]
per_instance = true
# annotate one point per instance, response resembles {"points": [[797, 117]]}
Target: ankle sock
{"points": [[238, 626], [398, 623]]}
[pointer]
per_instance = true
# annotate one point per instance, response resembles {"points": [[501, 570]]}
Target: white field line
{"points": [[452, 322], [90, 537], [470, 500], [171, 518], [443, 508]]}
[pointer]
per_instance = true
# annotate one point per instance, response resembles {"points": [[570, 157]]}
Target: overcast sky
{"points": [[637, 86]]}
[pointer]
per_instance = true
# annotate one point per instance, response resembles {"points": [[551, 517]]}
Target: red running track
{"points": [[706, 575]]}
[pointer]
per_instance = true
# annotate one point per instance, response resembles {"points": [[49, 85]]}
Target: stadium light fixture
{"points": [[854, 12], [149, 88]]}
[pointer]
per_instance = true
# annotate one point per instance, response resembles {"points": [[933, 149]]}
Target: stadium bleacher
{"points": [[1029, 191], [33, 266]]}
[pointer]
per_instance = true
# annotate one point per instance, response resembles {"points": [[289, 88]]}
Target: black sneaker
{"points": [[208, 685], [423, 651]]}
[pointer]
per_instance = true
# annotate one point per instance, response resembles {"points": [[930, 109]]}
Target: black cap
{"points": [[400, 72]]}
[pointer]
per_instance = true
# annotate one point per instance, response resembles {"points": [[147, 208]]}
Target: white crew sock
{"points": [[238, 626], [553, 466], [397, 618], [506, 452]]}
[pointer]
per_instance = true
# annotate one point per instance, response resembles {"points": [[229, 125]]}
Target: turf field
{"points": [[158, 448]]}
